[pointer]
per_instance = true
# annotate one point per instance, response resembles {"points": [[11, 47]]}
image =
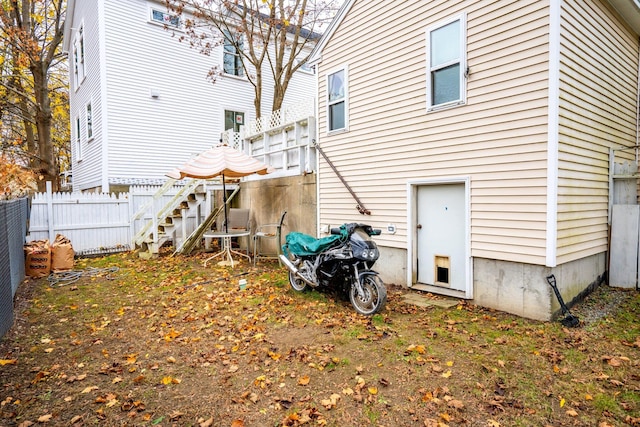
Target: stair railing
{"points": [[163, 212]]}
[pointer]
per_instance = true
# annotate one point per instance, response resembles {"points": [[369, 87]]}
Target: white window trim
{"points": [[75, 67], [78, 137], [179, 27], [244, 70], [79, 57], [344, 68], [463, 62], [86, 121], [82, 42]]}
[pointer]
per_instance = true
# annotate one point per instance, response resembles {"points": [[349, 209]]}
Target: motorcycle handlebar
{"points": [[372, 232]]}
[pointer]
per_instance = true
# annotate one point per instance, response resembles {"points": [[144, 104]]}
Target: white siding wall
{"points": [[88, 171], [498, 138], [599, 72], [147, 137]]}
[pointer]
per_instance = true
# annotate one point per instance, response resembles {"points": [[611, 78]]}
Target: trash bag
{"points": [[37, 258], [61, 254]]}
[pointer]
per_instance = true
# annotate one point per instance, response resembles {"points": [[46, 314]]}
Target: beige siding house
{"points": [[479, 135]]}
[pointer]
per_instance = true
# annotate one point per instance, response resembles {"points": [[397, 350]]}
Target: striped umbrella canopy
{"points": [[220, 160], [224, 161]]}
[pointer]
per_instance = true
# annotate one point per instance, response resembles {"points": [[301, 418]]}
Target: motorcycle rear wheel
{"points": [[374, 295], [296, 282]]}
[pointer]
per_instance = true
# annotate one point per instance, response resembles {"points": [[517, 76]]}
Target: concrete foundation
{"points": [[267, 199], [516, 288], [522, 289]]}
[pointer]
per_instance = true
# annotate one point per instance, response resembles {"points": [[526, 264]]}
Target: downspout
{"points": [[638, 104], [553, 133], [316, 167], [102, 51]]}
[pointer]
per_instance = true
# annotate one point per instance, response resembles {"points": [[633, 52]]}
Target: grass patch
{"points": [[175, 343]]}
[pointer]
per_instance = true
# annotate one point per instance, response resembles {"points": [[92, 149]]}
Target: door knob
{"points": [[419, 226]]}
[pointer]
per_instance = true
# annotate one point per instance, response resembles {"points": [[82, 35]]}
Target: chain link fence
{"points": [[13, 230]]}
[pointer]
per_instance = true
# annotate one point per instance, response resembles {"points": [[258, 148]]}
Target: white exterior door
{"points": [[441, 234]]}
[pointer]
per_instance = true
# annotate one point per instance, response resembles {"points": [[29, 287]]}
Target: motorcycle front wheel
{"points": [[373, 298]]}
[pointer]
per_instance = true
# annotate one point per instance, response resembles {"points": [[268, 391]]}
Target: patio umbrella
{"points": [[224, 161]]}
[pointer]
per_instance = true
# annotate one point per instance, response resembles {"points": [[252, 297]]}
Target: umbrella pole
{"points": [[224, 201]]}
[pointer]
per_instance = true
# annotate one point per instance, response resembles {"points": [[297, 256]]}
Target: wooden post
{"points": [[50, 224]]}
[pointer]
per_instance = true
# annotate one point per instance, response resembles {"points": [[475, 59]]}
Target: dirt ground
{"points": [[122, 341]]}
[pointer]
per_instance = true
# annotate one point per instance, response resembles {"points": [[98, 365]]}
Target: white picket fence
{"points": [[96, 223]]}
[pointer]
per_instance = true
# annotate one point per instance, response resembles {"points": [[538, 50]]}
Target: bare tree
{"points": [[273, 35], [31, 36]]}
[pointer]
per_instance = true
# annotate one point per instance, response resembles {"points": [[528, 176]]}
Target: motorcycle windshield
{"points": [[363, 247]]}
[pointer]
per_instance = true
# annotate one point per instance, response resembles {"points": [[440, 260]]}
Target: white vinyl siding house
{"points": [[598, 82], [152, 105], [523, 128], [391, 128]]}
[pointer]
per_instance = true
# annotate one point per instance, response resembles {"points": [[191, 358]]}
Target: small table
{"points": [[226, 244]]}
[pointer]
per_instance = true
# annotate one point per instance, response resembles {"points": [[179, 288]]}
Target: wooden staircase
{"points": [[169, 222]]}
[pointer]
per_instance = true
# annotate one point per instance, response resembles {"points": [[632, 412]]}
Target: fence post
{"points": [[132, 225], [50, 224]]}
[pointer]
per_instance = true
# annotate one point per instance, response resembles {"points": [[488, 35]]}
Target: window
{"points": [[233, 120], [78, 140], [446, 62], [79, 65], [89, 122], [76, 79], [337, 100], [231, 61], [81, 43], [165, 18]]}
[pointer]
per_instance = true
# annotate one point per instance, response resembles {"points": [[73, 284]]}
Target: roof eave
{"points": [[68, 21], [316, 53], [630, 12]]}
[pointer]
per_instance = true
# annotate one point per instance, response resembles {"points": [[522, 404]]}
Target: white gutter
{"points": [[66, 32], [637, 106], [103, 96], [553, 133]]}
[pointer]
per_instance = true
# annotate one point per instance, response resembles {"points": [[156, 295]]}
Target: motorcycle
{"points": [[344, 259]]}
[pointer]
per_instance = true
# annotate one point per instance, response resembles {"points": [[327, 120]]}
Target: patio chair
{"points": [[271, 232], [237, 219]]}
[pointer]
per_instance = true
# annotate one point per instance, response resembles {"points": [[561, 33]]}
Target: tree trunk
{"points": [[257, 89], [44, 117]]}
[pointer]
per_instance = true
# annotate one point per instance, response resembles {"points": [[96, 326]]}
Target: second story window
{"points": [[337, 100], [79, 64], [446, 62], [231, 61], [165, 18]]}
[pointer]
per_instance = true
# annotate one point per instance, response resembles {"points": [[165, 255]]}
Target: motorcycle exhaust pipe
{"points": [[287, 262]]}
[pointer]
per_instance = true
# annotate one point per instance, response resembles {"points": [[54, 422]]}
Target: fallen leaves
{"points": [[304, 380], [331, 402], [296, 360], [45, 418], [170, 380]]}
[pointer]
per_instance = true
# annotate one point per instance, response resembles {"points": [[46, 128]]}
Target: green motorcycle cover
{"points": [[303, 244]]}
